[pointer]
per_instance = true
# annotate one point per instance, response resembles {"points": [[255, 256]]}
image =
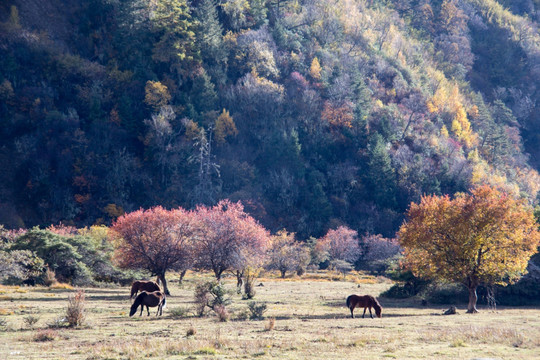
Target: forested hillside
{"points": [[313, 113]]}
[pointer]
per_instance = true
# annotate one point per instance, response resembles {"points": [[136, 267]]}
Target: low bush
{"points": [[257, 310], [442, 293], [222, 313], [210, 294], [75, 314], [45, 335], [179, 312], [30, 320]]}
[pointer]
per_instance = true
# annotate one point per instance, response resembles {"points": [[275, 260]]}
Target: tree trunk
{"points": [[218, 272], [239, 281], [164, 283], [182, 274], [472, 300], [283, 272]]}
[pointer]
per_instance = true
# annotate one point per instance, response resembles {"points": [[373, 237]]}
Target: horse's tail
{"points": [[164, 302], [349, 301]]}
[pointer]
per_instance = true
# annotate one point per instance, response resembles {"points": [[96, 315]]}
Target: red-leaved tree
{"points": [[156, 240], [229, 239]]}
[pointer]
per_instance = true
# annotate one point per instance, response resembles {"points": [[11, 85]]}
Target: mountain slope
{"points": [[312, 113]]}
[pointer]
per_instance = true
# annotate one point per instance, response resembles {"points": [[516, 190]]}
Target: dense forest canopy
{"points": [[313, 113]]}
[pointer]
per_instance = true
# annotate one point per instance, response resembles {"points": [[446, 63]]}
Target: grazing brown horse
{"points": [[142, 285], [366, 301], [149, 299]]}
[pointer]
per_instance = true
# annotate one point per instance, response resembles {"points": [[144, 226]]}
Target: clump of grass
{"points": [[458, 343], [242, 315], [179, 312], [75, 314], [5, 311], [207, 350], [57, 323], [61, 286], [30, 320], [257, 310], [45, 335], [222, 313], [270, 325], [3, 324]]}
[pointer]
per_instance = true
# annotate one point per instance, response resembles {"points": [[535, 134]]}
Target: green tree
{"points": [[381, 176], [174, 25], [209, 33]]}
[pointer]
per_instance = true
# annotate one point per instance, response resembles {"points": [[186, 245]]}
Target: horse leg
{"points": [[352, 313], [148, 310], [142, 308], [364, 312], [370, 314]]}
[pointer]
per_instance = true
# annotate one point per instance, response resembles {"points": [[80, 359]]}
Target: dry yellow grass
{"points": [[310, 322]]}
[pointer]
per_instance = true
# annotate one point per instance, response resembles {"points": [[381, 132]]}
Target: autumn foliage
{"points": [[340, 244], [484, 237], [155, 239], [229, 238], [286, 254]]}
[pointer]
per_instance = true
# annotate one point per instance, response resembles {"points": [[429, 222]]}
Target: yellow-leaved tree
{"points": [[483, 237]]}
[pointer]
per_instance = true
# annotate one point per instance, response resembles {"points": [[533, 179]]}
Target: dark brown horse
{"points": [[142, 285], [149, 299], [366, 301]]}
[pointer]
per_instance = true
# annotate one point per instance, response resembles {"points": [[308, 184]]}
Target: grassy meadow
{"points": [[305, 319]]}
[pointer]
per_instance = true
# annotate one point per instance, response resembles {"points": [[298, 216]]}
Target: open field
{"points": [[311, 322]]}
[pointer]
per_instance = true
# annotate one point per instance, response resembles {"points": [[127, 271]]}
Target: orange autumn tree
{"points": [[156, 240], [484, 237]]}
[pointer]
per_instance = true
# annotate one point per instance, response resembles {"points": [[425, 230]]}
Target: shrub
{"points": [[30, 320], [202, 297], [49, 277], [257, 310], [75, 314], [442, 293], [250, 277], [179, 312], [406, 285], [57, 323], [242, 315], [3, 325], [20, 267], [45, 335], [210, 294], [222, 313]]}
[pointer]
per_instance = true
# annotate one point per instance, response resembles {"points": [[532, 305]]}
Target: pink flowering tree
{"points": [[156, 239], [340, 244], [228, 239]]}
